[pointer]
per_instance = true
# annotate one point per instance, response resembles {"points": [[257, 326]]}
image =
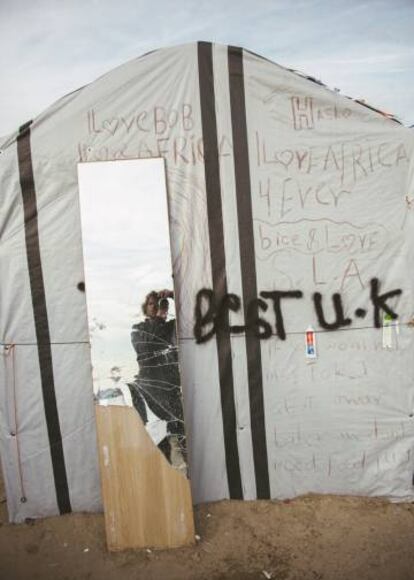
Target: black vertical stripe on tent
{"points": [[40, 317], [248, 266], [218, 262]]}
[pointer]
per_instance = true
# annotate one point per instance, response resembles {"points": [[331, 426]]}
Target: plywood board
{"points": [[147, 502]]}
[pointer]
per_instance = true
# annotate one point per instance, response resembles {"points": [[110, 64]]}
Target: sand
{"points": [[309, 538]]}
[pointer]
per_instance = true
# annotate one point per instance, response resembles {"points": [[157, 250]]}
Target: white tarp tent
{"points": [[276, 185]]}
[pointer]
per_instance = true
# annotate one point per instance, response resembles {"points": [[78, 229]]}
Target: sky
{"points": [[52, 47], [122, 263]]}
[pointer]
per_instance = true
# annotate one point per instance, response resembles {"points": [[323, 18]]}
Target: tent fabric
{"points": [[287, 201]]}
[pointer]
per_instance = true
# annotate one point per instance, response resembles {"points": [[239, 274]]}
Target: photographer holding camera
{"points": [[157, 383]]}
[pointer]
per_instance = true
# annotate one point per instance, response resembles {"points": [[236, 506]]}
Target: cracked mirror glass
{"points": [[130, 296]]}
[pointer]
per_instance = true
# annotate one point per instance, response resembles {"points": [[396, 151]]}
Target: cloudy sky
{"points": [[51, 47], [117, 276]]}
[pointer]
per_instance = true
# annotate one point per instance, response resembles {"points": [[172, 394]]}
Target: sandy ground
{"points": [[310, 538]]}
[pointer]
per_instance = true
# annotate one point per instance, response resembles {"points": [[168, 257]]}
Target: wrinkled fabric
{"points": [[330, 185]]}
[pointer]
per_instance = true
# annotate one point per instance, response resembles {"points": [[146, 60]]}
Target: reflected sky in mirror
{"points": [[126, 254]]}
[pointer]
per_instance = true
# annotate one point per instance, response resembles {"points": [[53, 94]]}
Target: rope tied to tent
{"points": [[10, 350]]}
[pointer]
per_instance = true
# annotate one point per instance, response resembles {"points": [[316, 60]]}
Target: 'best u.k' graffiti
{"points": [[211, 313]]}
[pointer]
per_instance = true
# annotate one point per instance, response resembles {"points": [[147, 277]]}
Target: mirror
{"points": [[130, 296]]}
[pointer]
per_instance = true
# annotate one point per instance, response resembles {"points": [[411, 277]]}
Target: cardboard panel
{"points": [[147, 502]]}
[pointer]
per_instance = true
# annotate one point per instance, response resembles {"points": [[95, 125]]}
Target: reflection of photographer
{"points": [[157, 383]]}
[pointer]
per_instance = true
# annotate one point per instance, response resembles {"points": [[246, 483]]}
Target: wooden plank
{"points": [[147, 502]]}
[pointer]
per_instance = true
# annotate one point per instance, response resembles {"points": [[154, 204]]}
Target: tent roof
{"points": [[5, 139]]}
